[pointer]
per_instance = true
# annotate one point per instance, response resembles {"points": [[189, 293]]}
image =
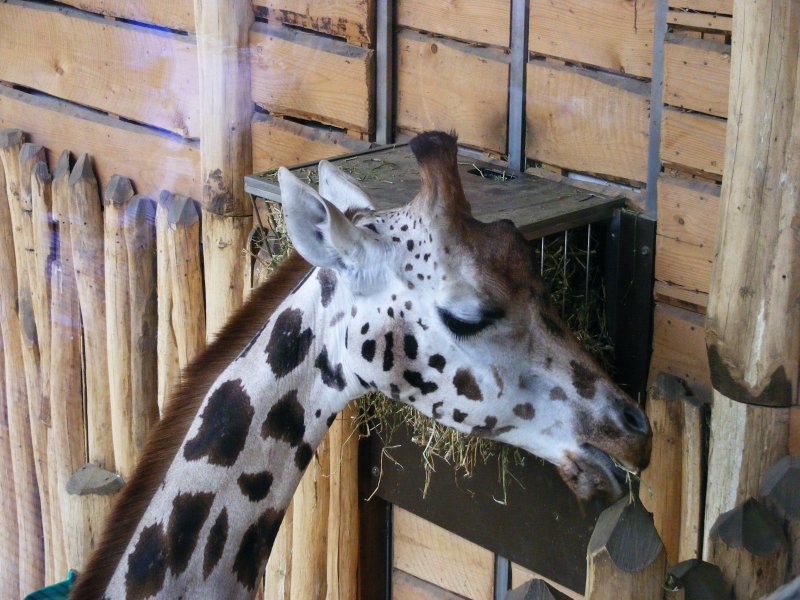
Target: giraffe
{"points": [[423, 303]]}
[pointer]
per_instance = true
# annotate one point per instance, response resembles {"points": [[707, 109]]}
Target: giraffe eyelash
{"points": [[464, 329]]}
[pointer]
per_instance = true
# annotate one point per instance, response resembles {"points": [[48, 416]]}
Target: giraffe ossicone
{"points": [[422, 303]]}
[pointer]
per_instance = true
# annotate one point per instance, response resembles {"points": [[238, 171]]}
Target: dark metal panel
{"points": [[516, 84], [375, 534], [542, 526], [384, 71], [629, 270]]}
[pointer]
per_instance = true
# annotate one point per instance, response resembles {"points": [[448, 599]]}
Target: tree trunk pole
{"points": [[226, 108]]}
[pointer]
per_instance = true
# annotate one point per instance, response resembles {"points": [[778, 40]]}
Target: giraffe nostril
{"points": [[635, 419]]}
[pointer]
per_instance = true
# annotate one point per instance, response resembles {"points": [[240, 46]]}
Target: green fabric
{"points": [[57, 591]]}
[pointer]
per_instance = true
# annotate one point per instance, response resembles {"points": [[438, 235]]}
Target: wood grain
{"points": [[697, 74], [154, 160], [408, 587], [693, 142], [176, 14], [520, 575], [604, 130], [278, 142], [436, 89], [679, 345], [350, 19], [724, 7], [142, 74], [701, 21], [484, 22], [435, 555], [304, 75], [612, 34], [686, 232]]}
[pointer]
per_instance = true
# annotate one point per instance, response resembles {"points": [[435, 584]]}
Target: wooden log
{"points": [[696, 580], [753, 327], [85, 249], [484, 22], [745, 441], [224, 240], [155, 160], [278, 142], [620, 39], [790, 591], [694, 459], [19, 332], [181, 331], [140, 243], [664, 408], [433, 554], [117, 194], [312, 77], [69, 425], [779, 492], [435, 89], [9, 539], [343, 516], [278, 580], [145, 75], [794, 431], [309, 528], [350, 19], [592, 135], [626, 558], [749, 546]]}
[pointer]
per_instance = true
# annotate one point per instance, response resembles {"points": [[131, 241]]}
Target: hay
{"points": [[581, 305]]}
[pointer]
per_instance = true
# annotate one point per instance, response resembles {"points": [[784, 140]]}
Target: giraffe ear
{"points": [[319, 230], [342, 189]]}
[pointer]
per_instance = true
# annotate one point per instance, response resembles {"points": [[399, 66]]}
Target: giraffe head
{"points": [[450, 315]]}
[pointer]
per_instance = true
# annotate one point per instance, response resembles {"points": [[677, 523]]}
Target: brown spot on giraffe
{"points": [[255, 548], [189, 514], [466, 386], [147, 564]]}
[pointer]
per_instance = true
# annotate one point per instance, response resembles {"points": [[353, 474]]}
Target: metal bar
{"points": [[656, 107], [516, 84], [502, 577], [384, 71], [564, 271], [588, 262], [541, 259]]}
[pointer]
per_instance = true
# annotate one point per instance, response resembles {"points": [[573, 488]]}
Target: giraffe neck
{"points": [[211, 520]]}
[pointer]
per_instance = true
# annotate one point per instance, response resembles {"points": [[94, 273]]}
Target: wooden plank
{"points": [[604, 132], [484, 22], [312, 77], [693, 141], [520, 575], [153, 160], [435, 555], [437, 89], [794, 431], [681, 297], [697, 74], [694, 458], [724, 7], [143, 74], [278, 142], [350, 19], [408, 587], [679, 346], [687, 231], [702, 21], [612, 34], [175, 14]]}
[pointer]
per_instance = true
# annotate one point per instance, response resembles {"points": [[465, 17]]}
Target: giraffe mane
{"points": [[181, 409]]}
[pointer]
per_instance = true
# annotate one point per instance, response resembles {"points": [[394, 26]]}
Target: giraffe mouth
{"points": [[594, 474]]}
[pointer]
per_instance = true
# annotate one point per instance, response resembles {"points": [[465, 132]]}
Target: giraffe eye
{"points": [[464, 329]]}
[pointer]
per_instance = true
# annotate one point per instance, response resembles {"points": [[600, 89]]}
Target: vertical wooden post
{"points": [[81, 209], [626, 558], [780, 492], [343, 512], [693, 481], [753, 325], [165, 342], [278, 578], [29, 518], [9, 567], [226, 108], [117, 194]]}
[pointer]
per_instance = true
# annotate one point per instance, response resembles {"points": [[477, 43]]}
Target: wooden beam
{"points": [[753, 327], [679, 346], [154, 160], [177, 14], [613, 35], [605, 133], [693, 142], [350, 19], [312, 77], [433, 554], [697, 74], [724, 7], [483, 22], [436, 89], [143, 74], [278, 142]]}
